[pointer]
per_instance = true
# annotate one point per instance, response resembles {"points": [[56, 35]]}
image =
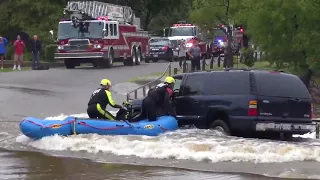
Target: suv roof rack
{"points": [[238, 69], [250, 69]]}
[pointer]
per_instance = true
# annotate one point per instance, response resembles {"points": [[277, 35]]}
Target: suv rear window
{"points": [[280, 85], [232, 83]]}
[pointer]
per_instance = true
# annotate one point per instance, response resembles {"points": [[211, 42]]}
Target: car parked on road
{"points": [[160, 48], [243, 102]]}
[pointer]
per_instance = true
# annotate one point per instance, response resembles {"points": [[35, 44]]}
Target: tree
{"points": [[209, 13], [285, 29], [36, 17], [147, 10]]}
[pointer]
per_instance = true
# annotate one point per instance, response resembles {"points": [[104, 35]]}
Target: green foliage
{"points": [[38, 17], [157, 12], [10, 52], [286, 29], [49, 52], [208, 13], [248, 57], [27, 56], [32, 17]]}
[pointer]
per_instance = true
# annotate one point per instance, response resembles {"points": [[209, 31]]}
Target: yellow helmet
{"points": [[105, 82], [169, 80]]}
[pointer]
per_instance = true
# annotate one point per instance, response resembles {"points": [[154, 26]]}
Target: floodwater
{"points": [[184, 154]]}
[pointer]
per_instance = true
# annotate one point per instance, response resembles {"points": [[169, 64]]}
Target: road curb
{"points": [[9, 64]]}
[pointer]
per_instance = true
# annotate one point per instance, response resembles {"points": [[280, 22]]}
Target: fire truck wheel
{"points": [[109, 61], [155, 60], [132, 61], [138, 55], [69, 64]]}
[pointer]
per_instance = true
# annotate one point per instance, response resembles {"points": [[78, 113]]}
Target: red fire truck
{"points": [[219, 41], [100, 33], [189, 32]]}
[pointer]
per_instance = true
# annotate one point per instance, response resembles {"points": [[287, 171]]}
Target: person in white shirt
{"points": [[182, 52]]}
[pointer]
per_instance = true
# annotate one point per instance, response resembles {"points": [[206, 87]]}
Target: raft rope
{"points": [[50, 126], [74, 122], [162, 128], [103, 128]]}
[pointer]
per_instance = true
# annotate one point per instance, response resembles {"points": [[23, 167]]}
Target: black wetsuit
{"points": [[157, 98], [98, 102]]}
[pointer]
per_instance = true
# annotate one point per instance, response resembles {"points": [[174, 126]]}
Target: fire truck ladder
{"points": [[82, 10]]}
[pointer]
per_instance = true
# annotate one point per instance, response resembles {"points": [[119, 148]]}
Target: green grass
{"points": [[258, 65], [10, 69]]}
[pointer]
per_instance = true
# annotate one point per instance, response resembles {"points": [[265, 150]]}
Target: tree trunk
{"points": [[147, 21], [229, 49]]}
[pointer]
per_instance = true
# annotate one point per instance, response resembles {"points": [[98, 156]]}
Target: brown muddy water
{"points": [[184, 154], [33, 166]]}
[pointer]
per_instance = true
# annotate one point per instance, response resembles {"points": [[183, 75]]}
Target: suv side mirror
{"points": [[175, 93], [104, 33], [51, 36], [165, 32]]}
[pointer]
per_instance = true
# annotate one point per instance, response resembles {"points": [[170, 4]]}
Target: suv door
{"points": [[282, 97], [188, 103]]}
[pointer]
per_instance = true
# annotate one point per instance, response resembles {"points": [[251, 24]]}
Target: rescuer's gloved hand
{"points": [[125, 103], [118, 106]]}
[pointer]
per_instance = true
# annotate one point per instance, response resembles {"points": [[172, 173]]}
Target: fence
{"points": [[149, 84], [168, 71]]}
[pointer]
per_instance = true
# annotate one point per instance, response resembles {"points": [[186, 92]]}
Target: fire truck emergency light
{"points": [[103, 18], [182, 25]]}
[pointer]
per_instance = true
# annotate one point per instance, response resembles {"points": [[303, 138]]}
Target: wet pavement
{"points": [[61, 91]]}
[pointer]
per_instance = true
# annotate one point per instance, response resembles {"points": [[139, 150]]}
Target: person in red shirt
{"points": [[18, 53]]}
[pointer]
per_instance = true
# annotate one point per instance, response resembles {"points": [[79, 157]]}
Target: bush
{"points": [[248, 58], [10, 53], [236, 59], [49, 52]]}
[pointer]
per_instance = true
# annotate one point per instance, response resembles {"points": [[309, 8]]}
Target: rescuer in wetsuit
{"points": [[99, 100], [159, 97]]}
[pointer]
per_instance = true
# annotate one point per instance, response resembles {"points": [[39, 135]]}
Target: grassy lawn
{"points": [[258, 65], [10, 69]]}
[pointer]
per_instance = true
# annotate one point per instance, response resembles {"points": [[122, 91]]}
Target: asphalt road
{"points": [[60, 90]]}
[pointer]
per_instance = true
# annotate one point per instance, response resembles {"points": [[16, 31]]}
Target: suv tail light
{"points": [[165, 48], [311, 111], [253, 108]]}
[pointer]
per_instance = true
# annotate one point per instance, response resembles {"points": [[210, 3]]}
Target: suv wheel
{"points": [[220, 125]]}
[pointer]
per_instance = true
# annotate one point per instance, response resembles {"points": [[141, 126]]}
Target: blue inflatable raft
{"points": [[38, 128]]}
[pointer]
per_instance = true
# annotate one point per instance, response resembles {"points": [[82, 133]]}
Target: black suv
{"points": [[243, 102]]}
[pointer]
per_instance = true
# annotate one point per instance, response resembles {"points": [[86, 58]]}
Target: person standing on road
{"points": [[194, 53], [36, 49], [182, 52], [3, 44], [18, 53]]}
